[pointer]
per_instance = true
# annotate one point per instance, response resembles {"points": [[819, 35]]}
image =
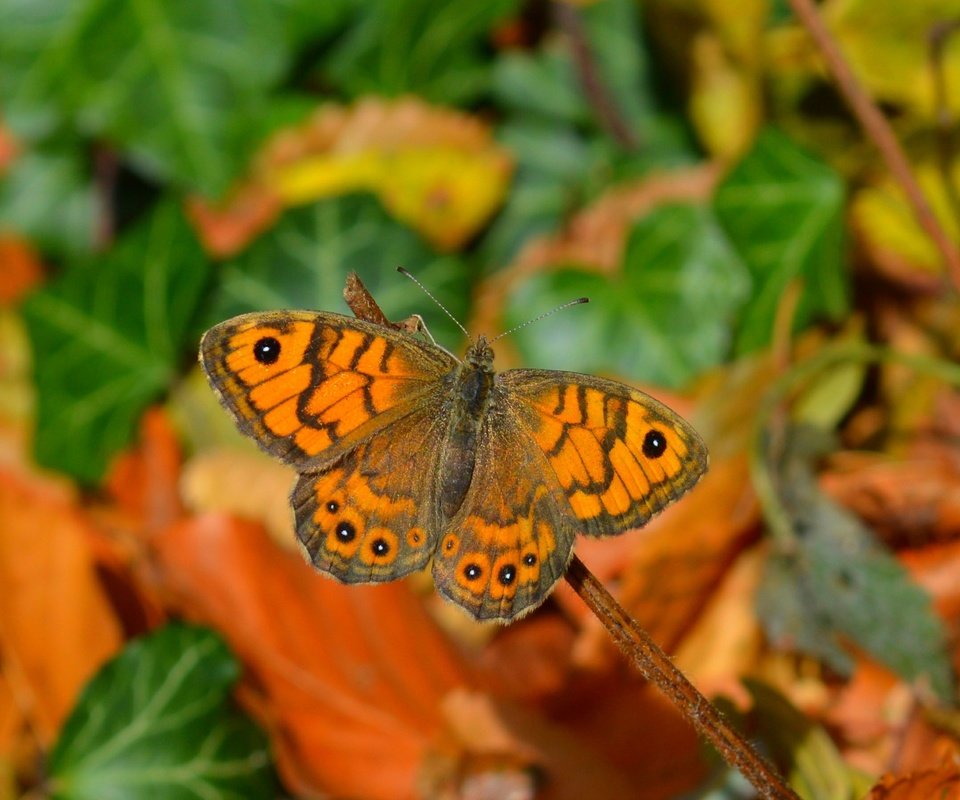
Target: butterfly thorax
{"points": [[472, 386]]}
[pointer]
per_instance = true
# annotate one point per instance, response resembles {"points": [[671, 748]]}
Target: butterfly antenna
{"points": [[544, 315], [426, 291]]}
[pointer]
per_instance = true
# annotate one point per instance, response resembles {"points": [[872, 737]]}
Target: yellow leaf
{"points": [[889, 231], [887, 44]]}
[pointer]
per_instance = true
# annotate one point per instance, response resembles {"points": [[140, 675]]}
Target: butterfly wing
{"points": [[310, 386], [373, 514], [512, 538], [619, 455], [558, 454]]}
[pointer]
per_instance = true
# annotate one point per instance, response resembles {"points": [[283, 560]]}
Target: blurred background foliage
{"points": [[689, 166]]}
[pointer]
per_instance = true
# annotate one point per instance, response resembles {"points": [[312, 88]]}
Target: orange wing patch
{"points": [[309, 386], [619, 455], [371, 517]]}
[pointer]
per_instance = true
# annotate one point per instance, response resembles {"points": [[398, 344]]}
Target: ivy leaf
{"points": [[835, 581], [665, 318], [108, 337], [564, 153], [303, 261], [782, 210], [171, 82], [156, 721], [47, 195], [432, 48]]}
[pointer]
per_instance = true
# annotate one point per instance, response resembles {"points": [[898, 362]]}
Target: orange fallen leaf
{"points": [[909, 502], [56, 622], [685, 552], [942, 783], [144, 481], [20, 267], [352, 676], [209, 484]]}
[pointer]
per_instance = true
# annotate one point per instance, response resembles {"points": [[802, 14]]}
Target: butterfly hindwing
{"points": [[371, 516], [512, 538], [309, 386], [619, 455]]}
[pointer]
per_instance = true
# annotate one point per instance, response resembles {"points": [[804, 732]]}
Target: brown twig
{"points": [[636, 643], [656, 667], [594, 90], [875, 125], [939, 36]]}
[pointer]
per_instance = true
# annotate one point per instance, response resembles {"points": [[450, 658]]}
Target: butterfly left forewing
{"points": [[309, 386], [619, 455]]}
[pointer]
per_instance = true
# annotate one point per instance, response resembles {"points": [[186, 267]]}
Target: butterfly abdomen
{"points": [[471, 399]]}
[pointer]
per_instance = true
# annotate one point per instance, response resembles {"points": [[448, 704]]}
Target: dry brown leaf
{"points": [[594, 238], [909, 503], [210, 480], [685, 552], [56, 622], [353, 676], [8, 147], [942, 783], [20, 267], [439, 170], [144, 482]]}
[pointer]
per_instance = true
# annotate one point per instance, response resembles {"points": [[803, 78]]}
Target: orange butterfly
{"points": [[406, 453]]}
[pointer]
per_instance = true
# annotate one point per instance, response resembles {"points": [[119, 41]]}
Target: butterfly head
{"points": [[480, 354]]}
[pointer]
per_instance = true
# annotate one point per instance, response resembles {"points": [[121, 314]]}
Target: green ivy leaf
{"points": [[432, 48], [565, 155], [303, 261], [782, 209], [108, 337], [171, 82], [834, 581], [665, 318], [47, 195], [157, 721]]}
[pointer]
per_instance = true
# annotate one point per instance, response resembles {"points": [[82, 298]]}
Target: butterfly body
{"points": [[407, 454]]}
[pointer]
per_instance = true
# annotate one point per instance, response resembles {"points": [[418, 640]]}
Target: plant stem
{"points": [[656, 667]]}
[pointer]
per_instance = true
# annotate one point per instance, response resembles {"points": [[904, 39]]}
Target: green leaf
{"points": [[433, 48], [48, 196], [108, 337], [833, 581], [664, 319], [782, 209], [303, 261], [170, 82], [565, 154], [157, 721], [813, 765]]}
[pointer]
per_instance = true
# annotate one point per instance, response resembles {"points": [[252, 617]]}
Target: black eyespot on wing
{"points": [[654, 444], [472, 571], [380, 547], [266, 350], [346, 532], [507, 574], [333, 506], [530, 559]]}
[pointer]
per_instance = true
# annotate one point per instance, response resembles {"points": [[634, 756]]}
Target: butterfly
{"points": [[406, 453]]}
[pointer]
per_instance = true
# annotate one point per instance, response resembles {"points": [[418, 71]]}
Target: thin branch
{"points": [[656, 667], [636, 643], [875, 125], [594, 89]]}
